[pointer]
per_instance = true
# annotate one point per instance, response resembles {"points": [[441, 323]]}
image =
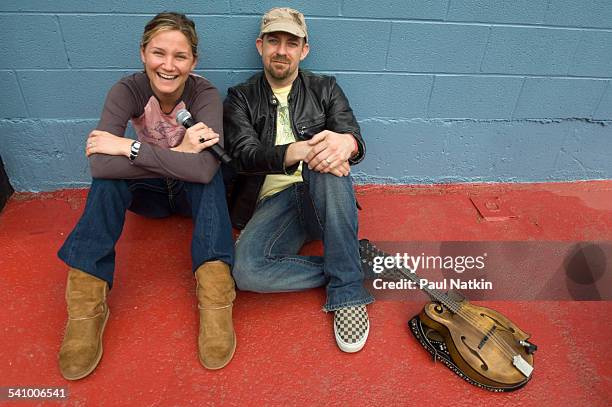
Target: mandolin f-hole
{"points": [[508, 328], [484, 365]]}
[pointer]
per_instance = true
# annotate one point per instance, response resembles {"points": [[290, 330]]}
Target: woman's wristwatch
{"points": [[134, 149]]}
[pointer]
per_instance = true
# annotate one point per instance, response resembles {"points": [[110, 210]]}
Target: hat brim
{"points": [[284, 27]]}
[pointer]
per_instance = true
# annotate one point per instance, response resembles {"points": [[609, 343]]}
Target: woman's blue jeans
{"points": [[322, 207], [90, 247]]}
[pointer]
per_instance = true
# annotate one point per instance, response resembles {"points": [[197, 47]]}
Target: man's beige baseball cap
{"points": [[284, 19]]}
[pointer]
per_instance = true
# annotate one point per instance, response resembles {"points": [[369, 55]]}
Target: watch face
{"points": [[134, 150]]}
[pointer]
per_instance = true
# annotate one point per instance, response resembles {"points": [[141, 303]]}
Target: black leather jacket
{"points": [[316, 103]]}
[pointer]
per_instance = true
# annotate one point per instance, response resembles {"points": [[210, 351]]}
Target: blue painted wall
{"points": [[445, 90]]}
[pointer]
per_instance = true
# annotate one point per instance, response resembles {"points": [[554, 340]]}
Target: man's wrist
{"points": [[295, 153]]}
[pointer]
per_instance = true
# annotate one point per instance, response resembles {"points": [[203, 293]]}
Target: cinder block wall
{"points": [[445, 90]]}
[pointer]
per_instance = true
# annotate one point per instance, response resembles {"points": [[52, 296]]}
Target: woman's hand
{"points": [[197, 138], [103, 142]]}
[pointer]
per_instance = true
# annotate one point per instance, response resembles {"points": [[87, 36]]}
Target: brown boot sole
{"points": [[98, 356], [229, 359]]}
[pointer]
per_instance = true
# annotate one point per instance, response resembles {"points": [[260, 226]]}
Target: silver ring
{"points": [[327, 161]]}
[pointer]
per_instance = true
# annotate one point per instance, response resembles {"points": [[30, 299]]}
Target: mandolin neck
{"points": [[368, 252]]}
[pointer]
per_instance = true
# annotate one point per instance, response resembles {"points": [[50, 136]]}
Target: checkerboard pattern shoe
{"points": [[351, 328]]}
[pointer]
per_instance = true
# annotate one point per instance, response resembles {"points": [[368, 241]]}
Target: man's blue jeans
{"points": [[91, 245], [323, 206]]}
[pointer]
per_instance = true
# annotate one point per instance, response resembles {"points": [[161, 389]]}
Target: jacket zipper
{"points": [[298, 132]]}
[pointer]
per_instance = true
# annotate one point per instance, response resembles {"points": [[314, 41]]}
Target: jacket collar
{"points": [[267, 89]]}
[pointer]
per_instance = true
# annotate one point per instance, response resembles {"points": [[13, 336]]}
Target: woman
{"points": [[167, 170]]}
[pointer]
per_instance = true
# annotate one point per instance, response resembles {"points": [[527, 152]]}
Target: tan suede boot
{"points": [[215, 291], [87, 315]]}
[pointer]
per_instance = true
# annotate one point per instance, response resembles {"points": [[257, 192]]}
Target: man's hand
{"points": [[342, 170], [103, 142], [197, 138], [300, 150], [329, 150]]}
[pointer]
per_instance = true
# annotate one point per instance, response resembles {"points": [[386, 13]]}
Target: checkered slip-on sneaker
{"points": [[351, 328]]}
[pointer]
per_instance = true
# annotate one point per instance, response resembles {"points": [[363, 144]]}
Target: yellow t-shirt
{"points": [[275, 183]]}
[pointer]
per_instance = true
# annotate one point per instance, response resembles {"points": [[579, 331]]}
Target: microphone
{"points": [[183, 118]]}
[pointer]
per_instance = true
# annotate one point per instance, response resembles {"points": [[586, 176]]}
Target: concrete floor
{"points": [[286, 352]]}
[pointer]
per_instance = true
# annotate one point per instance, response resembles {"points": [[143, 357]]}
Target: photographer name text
{"points": [[446, 284]]}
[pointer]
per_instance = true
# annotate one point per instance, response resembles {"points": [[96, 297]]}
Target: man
{"points": [[293, 136]]}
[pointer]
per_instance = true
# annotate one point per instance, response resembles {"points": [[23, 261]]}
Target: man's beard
{"points": [[279, 74]]}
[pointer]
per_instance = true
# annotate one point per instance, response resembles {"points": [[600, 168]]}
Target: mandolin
{"points": [[477, 343]]}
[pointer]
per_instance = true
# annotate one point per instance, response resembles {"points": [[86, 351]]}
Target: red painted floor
{"points": [[286, 353]]}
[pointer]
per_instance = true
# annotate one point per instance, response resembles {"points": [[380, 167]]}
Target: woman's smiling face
{"points": [[168, 60]]}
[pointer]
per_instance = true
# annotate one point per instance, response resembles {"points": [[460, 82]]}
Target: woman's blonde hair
{"points": [[171, 21]]}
